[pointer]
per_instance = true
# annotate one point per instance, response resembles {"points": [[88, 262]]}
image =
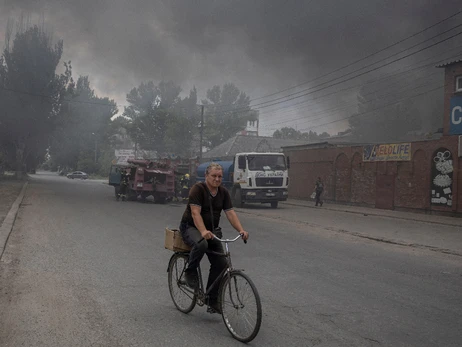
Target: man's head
{"points": [[213, 175]]}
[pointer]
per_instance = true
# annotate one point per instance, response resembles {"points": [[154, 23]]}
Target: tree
{"points": [[227, 112], [83, 130], [147, 115], [183, 127], [159, 120], [287, 133], [292, 134], [376, 123], [31, 94]]}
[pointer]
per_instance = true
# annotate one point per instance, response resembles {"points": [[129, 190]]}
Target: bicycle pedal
{"points": [[211, 310]]}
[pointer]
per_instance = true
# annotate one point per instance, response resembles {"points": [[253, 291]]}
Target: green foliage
{"points": [[106, 155], [86, 162], [83, 127], [227, 111], [31, 95], [183, 127], [159, 120]]}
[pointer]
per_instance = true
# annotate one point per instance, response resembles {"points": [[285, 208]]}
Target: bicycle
{"points": [[238, 297]]}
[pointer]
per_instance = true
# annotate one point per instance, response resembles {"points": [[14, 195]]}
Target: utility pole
{"points": [[96, 146], [202, 132]]}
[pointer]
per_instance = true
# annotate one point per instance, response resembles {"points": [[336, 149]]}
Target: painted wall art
{"points": [[442, 178]]}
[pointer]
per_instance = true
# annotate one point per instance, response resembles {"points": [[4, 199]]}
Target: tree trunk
{"points": [[20, 161]]}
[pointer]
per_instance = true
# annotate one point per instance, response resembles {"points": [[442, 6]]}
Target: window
{"points": [[266, 162], [459, 84]]}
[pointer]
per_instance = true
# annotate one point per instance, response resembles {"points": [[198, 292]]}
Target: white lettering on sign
{"points": [[124, 152], [453, 115], [269, 174]]}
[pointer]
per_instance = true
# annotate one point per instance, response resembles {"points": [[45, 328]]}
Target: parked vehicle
{"points": [[77, 174], [254, 177], [147, 178]]}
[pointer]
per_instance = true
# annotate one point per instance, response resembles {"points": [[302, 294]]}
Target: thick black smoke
{"points": [[262, 46]]}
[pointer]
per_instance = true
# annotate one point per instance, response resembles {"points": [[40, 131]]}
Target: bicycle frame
{"points": [[238, 301], [201, 294]]}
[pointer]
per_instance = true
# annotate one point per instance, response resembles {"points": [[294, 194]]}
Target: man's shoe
{"points": [[191, 278], [214, 306]]}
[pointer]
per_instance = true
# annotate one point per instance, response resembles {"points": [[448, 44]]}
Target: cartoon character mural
{"points": [[442, 172]]}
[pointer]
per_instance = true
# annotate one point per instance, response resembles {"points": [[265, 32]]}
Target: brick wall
{"points": [[350, 180], [342, 178]]}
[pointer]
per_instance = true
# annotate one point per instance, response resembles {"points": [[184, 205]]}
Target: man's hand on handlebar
{"points": [[207, 235], [244, 234]]}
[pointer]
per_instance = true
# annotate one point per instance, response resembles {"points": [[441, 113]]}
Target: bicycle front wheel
{"points": [[183, 297], [240, 306]]}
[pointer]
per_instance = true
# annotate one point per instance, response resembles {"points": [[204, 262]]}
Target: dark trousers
{"points": [[318, 198], [192, 237], [184, 192], [123, 189]]}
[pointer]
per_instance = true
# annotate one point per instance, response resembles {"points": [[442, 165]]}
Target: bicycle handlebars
{"points": [[228, 240]]}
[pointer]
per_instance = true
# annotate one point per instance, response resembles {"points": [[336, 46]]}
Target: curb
{"points": [[376, 214], [8, 222], [394, 241]]}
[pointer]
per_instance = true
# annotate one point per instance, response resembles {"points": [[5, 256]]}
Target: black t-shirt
{"points": [[199, 195]]}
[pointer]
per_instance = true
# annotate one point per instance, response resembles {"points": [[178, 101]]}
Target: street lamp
{"points": [[96, 145]]}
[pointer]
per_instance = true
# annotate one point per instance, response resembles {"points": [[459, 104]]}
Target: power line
{"points": [[361, 59], [363, 85], [354, 103], [295, 97], [352, 72], [350, 78], [376, 109], [303, 103], [275, 101], [345, 107], [339, 107]]}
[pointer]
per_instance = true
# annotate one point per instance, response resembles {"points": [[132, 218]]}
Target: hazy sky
{"points": [[262, 46]]}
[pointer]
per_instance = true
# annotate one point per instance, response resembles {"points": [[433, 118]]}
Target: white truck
{"points": [[254, 177]]}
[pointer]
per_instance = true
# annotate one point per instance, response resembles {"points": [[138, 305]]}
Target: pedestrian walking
{"points": [[318, 188]]}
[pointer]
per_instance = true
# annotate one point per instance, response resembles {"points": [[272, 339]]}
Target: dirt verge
{"points": [[9, 191]]}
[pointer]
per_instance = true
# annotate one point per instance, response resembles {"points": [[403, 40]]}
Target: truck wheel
{"points": [[237, 198], [274, 204]]}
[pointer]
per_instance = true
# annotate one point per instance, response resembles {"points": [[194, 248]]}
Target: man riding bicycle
{"points": [[200, 219]]}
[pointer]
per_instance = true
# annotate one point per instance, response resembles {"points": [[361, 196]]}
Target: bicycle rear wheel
{"points": [[183, 297], [240, 306]]}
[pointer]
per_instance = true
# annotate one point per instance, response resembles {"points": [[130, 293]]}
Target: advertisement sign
{"points": [[455, 115], [387, 152], [123, 155]]}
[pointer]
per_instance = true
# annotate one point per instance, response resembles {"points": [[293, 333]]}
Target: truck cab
{"points": [[260, 177], [254, 177]]}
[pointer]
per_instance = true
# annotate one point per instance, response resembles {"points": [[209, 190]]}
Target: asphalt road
{"points": [[81, 269]]}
